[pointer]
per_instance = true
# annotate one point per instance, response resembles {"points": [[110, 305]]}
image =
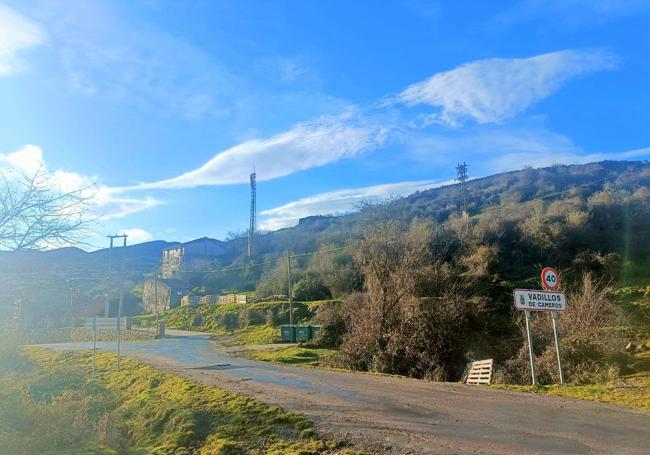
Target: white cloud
{"points": [[338, 202], [304, 146], [103, 202], [487, 91], [137, 235], [492, 90], [107, 204], [104, 52], [28, 159], [17, 34]]}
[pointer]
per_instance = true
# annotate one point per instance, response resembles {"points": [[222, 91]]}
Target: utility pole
{"points": [[253, 214], [107, 303], [155, 298], [461, 177], [289, 287], [120, 306]]}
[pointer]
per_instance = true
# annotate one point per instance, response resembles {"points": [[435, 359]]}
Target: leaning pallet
{"points": [[480, 372]]}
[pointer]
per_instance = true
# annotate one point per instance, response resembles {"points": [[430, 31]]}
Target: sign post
{"points": [[550, 300], [94, 346], [530, 348], [551, 282], [557, 345]]}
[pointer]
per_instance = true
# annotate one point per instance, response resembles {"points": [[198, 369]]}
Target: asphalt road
{"points": [[398, 415]]}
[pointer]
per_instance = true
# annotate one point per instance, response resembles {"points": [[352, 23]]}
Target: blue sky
{"points": [[166, 107]]}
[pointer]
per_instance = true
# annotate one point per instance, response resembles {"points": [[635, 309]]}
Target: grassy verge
{"points": [[294, 355], [256, 334], [631, 390], [137, 411], [634, 392]]}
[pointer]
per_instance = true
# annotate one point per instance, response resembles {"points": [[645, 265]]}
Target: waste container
{"points": [[315, 330], [288, 333], [303, 333]]}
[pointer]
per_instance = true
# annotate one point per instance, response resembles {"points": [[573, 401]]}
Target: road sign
{"points": [[550, 279], [532, 300]]}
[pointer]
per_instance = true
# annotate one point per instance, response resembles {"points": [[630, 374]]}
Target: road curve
{"points": [[398, 415]]}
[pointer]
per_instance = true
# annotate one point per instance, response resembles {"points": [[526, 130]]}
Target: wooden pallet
{"points": [[480, 372]]}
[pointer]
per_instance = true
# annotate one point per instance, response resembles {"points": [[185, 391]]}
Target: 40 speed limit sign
{"points": [[550, 279]]}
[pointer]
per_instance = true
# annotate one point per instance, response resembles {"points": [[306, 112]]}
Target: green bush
{"points": [[311, 287]]}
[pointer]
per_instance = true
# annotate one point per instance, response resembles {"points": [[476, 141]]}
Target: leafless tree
{"points": [[36, 214]]}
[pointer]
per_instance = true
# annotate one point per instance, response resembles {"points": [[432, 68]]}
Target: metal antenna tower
{"points": [[253, 220], [461, 176]]}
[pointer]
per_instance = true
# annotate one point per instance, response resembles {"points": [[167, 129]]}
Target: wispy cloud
{"points": [[103, 202], [17, 34], [338, 202], [104, 52], [305, 146], [137, 235], [492, 90], [485, 91]]}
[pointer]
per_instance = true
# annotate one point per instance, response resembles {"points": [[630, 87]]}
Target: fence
{"points": [[70, 330]]}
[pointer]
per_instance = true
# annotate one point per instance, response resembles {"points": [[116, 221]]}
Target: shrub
{"points": [[310, 288]]}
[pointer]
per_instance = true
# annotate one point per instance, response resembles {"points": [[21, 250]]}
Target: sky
{"points": [[164, 108]]}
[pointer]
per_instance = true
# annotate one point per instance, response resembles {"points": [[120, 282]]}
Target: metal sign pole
{"points": [[94, 346], [118, 342], [557, 345], [289, 287], [530, 348]]}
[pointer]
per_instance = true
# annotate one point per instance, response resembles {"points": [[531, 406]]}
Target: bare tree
{"points": [[35, 214]]}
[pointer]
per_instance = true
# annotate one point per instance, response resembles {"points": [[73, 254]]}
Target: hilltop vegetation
{"points": [[426, 288]]}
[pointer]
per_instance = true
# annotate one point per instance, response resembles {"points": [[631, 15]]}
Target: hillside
{"points": [[45, 279]]}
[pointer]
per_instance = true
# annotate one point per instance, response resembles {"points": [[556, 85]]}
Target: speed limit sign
{"points": [[550, 279]]}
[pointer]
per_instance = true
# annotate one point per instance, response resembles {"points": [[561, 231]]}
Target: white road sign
{"points": [[532, 300]]}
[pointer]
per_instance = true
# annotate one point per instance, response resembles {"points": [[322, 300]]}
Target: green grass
{"points": [[245, 322], [137, 411], [633, 393], [631, 390], [294, 355], [229, 317], [256, 334]]}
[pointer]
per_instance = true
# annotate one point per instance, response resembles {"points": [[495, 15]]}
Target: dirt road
{"points": [[397, 415]]}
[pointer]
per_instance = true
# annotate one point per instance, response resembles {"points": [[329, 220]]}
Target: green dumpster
{"points": [[288, 333], [303, 333], [315, 330]]}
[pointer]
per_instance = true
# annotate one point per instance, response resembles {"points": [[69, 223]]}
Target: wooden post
{"points": [[289, 287], [94, 346]]}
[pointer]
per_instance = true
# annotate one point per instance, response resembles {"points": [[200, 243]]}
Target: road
{"points": [[398, 415]]}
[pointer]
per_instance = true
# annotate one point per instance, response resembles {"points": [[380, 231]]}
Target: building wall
{"points": [[180, 257], [233, 298], [164, 295], [172, 261]]}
